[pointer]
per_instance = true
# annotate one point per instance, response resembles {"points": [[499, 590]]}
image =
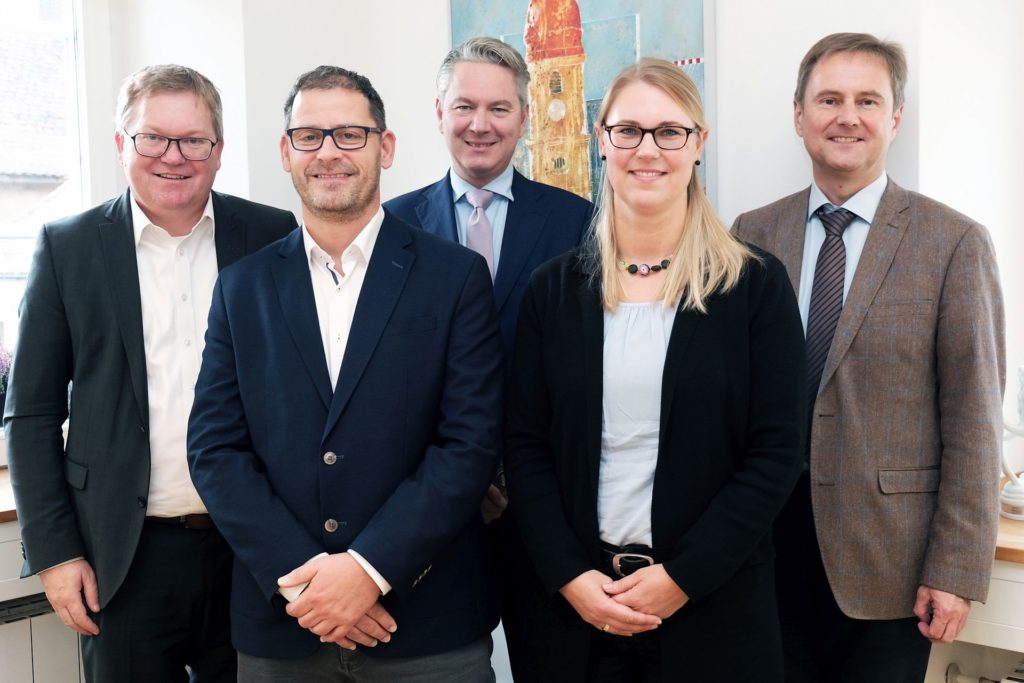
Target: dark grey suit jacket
{"points": [[81, 322]]}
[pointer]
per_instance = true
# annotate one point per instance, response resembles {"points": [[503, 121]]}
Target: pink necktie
{"points": [[478, 229]]}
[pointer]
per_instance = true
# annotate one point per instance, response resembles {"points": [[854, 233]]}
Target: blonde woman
{"points": [[656, 416]]}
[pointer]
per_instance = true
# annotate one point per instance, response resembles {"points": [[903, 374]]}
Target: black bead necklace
{"points": [[643, 268]]}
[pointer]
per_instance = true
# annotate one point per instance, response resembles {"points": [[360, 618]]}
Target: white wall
{"points": [[960, 140]]}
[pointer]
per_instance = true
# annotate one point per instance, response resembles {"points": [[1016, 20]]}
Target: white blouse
{"points": [[635, 342]]}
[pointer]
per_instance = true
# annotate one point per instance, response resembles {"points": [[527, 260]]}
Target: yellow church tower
{"points": [[558, 140]]}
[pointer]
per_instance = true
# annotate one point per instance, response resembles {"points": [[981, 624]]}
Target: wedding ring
{"points": [[606, 628]]}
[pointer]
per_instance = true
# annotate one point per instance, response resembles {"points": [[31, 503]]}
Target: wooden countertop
{"points": [[1010, 547]]}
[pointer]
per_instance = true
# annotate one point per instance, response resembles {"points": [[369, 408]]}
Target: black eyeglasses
{"points": [[628, 136], [152, 145], [345, 137]]}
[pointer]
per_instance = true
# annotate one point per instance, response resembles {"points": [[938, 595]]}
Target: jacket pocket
{"points": [[75, 474], [919, 480], [422, 323]]}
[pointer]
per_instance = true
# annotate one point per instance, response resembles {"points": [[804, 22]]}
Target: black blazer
{"points": [[731, 427], [81, 322]]}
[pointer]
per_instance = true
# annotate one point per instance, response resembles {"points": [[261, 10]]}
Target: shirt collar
{"points": [[140, 221], [502, 185], [864, 203], [362, 244]]}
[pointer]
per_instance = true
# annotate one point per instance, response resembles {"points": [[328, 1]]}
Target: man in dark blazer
{"points": [[892, 530], [482, 108], [115, 305], [346, 421]]}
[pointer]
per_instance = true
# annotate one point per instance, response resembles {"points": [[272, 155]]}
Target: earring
{"points": [[604, 158], [697, 163]]}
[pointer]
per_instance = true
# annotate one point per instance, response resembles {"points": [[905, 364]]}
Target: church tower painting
{"points": [[558, 139]]}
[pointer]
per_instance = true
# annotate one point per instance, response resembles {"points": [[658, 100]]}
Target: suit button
{"points": [[331, 526], [330, 458], [141, 501]]}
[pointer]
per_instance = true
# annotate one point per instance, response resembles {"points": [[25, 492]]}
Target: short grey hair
{"points": [[888, 50], [161, 78], [490, 51]]}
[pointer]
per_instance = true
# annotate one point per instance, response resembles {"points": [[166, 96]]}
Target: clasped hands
{"points": [[340, 603], [633, 604]]}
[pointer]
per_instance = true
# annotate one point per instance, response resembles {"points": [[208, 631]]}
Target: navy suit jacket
{"points": [[542, 222], [413, 423]]}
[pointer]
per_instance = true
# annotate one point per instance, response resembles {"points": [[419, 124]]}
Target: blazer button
{"points": [[330, 458], [141, 501], [331, 526]]}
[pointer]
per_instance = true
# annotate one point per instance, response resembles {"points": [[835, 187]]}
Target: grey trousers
{"points": [[333, 664]]}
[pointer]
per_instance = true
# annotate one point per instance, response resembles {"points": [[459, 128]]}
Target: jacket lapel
{"points": [[295, 296], [683, 328], [592, 326], [122, 269], [385, 278], [436, 210], [524, 224], [789, 237], [228, 235], [884, 238]]}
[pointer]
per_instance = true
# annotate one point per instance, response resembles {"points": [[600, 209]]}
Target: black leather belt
{"points": [[199, 522], [624, 560]]}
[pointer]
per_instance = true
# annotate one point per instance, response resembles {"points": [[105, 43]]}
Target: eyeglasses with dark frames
{"points": [[344, 137], [628, 136], [153, 145]]}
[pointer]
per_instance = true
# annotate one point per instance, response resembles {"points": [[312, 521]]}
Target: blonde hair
{"points": [[707, 257]]}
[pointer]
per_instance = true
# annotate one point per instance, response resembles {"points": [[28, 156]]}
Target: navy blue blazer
{"points": [[413, 421], [542, 222]]}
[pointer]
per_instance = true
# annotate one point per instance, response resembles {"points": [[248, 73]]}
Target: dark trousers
{"points": [[170, 612], [616, 659], [821, 643], [518, 589], [332, 664]]}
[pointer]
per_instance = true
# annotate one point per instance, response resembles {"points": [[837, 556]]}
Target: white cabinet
{"points": [[1000, 621]]}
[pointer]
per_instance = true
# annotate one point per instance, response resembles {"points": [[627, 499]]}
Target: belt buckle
{"points": [[630, 558]]}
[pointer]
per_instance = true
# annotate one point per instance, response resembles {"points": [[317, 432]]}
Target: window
{"points": [[555, 83], [40, 168]]}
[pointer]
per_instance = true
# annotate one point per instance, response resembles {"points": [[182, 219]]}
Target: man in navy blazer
{"points": [[482, 107], [346, 422]]}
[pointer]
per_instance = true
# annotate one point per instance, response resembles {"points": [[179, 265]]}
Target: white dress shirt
{"points": [[336, 291], [176, 278], [864, 204]]}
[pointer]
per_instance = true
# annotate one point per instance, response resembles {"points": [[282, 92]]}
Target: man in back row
{"points": [[116, 304], [891, 531], [482, 109]]}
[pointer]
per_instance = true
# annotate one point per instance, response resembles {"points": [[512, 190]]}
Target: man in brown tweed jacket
{"points": [[891, 532]]}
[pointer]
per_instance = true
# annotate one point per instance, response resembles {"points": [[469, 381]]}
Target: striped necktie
{"points": [[826, 295]]}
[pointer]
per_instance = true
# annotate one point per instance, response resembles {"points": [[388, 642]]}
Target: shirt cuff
{"points": [[61, 564], [381, 582], [292, 592]]}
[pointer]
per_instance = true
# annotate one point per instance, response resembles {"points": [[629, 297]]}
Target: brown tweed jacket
{"points": [[906, 432]]}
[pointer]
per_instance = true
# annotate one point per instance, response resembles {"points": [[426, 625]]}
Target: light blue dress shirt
{"points": [[864, 204], [496, 212], [636, 340]]}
